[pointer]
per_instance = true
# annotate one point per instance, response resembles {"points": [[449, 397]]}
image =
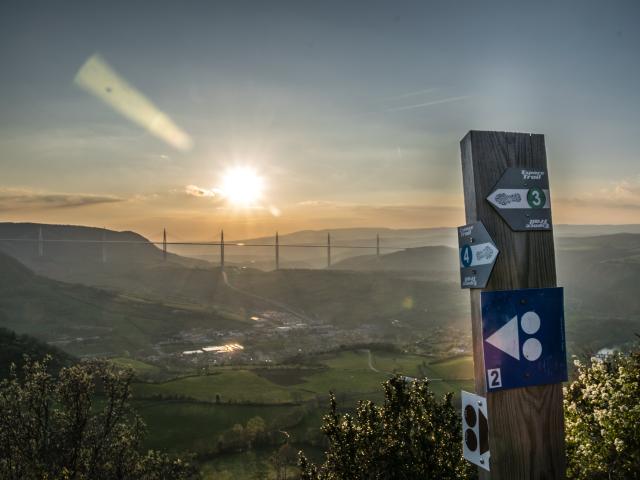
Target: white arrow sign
{"points": [[506, 338], [482, 254], [519, 198], [477, 253]]}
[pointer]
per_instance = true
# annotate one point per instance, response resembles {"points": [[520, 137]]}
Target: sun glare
{"points": [[242, 186]]}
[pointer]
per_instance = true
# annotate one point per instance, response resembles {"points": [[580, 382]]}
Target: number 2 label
{"points": [[494, 378]]}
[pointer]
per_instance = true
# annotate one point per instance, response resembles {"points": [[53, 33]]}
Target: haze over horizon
{"points": [[256, 116]]}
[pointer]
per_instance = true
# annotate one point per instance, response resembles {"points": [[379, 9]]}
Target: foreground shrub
{"points": [[410, 436], [602, 419], [78, 425]]}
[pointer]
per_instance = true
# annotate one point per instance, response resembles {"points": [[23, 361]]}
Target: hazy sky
{"points": [[351, 112]]}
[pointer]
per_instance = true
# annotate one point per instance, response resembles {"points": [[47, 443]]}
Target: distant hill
{"points": [[341, 239], [352, 299], [75, 254], [390, 240], [400, 238], [88, 321], [418, 237], [68, 260], [601, 273], [79, 243], [437, 262], [14, 347], [338, 297], [563, 230], [416, 286]]}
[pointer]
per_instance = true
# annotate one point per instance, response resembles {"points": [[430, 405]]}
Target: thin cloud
{"points": [[624, 194], [393, 215], [410, 94], [409, 209], [196, 191], [627, 189], [428, 104], [320, 203], [14, 199]]}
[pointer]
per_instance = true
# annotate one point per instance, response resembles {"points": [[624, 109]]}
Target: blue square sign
{"points": [[523, 338]]}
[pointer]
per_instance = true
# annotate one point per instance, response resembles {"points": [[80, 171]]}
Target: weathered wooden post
{"points": [[328, 250], [277, 252], [525, 424], [378, 245]]}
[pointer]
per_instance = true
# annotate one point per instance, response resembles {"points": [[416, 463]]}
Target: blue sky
{"points": [[350, 111]]}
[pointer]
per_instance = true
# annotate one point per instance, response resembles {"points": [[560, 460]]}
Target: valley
{"points": [[226, 360]]}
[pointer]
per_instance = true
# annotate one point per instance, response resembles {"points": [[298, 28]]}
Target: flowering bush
{"points": [[78, 425], [602, 418], [411, 435]]}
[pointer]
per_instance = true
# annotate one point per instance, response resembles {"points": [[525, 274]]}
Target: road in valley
{"points": [[273, 303]]}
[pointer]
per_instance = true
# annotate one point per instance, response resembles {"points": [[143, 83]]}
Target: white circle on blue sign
{"points": [[530, 323], [466, 256], [532, 349]]}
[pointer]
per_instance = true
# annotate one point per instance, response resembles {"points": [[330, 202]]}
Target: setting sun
{"points": [[242, 186]]}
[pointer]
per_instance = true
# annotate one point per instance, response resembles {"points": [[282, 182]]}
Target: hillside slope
{"points": [[390, 240], [88, 321], [435, 263], [601, 273], [417, 287], [342, 240], [14, 347], [351, 299], [76, 254]]}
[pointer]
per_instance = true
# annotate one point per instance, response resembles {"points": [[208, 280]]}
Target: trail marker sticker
{"points": [[477, 255], [523, 337], [475, 429], [521, 197]]}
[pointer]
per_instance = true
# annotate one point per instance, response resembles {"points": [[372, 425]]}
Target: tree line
{"points": [[78, 424]]}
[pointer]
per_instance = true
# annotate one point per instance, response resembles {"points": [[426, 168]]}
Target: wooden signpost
{"points": [[526, 424]]}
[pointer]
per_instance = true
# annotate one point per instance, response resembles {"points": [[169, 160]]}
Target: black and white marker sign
{"points": [[521, 197], [477, 255], [475, 429]]}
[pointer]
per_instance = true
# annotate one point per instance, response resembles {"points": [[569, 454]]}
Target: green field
{"points": [[186, 425], [456, 368], [290, 398], [231, 385], [141, 368], [348, 373], [182, 413]]}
